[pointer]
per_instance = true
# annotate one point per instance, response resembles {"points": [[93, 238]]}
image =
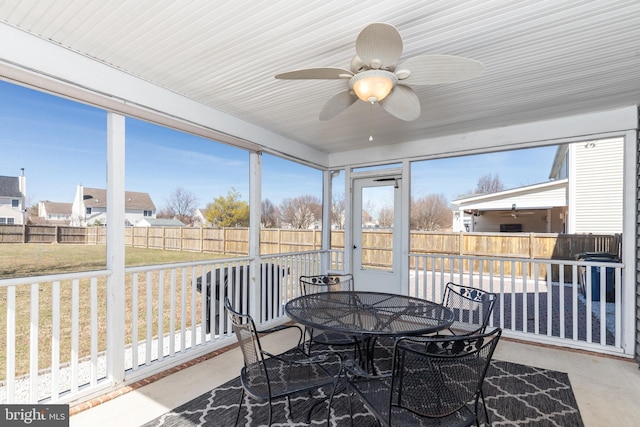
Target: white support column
{"points": [[115, 246], [255, 203], [348, 221], [405, 221], [327, 200], [629, 233]]}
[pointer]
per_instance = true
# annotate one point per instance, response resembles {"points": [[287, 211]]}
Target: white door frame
{"points": [[379, 280]]}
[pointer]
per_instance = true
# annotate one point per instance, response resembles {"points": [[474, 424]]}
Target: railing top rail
{"points": [[529, 260], [53, 277], [139, 269]]}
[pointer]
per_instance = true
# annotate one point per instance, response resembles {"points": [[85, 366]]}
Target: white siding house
{"points": [[13, 192], [595, 173], [90, 207], [55, 212], [584, 195]]}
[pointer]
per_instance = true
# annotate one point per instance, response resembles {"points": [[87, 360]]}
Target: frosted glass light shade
{"points": [[373, 85]]}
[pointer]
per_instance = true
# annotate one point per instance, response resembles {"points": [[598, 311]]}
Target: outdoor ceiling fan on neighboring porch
{"points": [[375, 75]]}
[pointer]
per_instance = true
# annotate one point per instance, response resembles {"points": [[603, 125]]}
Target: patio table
{"points": [[369, 315]]}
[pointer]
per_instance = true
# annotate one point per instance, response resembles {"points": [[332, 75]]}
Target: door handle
{"points": [[355, 247]]}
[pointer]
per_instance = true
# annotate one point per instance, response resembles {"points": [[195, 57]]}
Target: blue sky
{"points": [[61, 144]]}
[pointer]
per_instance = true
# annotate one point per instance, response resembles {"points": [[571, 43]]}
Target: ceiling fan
{"points": [[376, 76]]}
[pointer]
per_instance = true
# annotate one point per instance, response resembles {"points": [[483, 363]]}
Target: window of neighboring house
{"points": [[88, 211], [148, 213], [10, 221], [3, 220], [15, 203]]}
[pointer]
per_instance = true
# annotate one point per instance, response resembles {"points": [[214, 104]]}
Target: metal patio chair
{"points": [[328, 283], [434, 381], [472, 308], [266, 377]]}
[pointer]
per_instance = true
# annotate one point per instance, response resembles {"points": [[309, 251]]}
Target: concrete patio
{"points": [[606, 388]]}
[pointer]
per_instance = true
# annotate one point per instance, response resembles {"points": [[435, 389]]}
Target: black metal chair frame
{"points": [[328, 283], [472, 308], [433, 381], [263, 372]]}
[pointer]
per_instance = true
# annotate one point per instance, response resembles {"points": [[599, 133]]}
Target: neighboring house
{"points": [[90, 207], [583, 196], [595, 173], [55, 213], [159, 222], [538, 208], [199, 218], [13, 191]]}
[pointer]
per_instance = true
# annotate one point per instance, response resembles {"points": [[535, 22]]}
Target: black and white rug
{"points": [[516, 395]]}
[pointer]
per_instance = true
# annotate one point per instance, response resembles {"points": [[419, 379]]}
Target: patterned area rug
{"points": [[516, 395]]}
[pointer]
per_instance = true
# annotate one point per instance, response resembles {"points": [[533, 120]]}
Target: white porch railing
{"points": [[54, 349], [570, 303]]}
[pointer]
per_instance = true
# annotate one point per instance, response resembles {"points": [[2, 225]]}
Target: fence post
{"points": [[224, 240]]}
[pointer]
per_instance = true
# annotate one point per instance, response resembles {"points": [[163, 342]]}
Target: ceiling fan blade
{"points": [[337, 104], [316, 73], [379, 42], [436, 69], [402, 103]]}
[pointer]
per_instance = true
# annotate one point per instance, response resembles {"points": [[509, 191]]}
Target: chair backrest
{"points": [[254, 369], [436, 376], [470, 305], [326, 283]]}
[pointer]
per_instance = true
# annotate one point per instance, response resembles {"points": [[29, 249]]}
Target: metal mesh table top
{"points": [[369, 313]]}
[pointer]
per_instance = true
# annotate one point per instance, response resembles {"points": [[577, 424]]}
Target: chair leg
{"points": [[239, 407], [484, 405]]}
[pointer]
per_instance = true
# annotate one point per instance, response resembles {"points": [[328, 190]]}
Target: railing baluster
{"points": [[172, 313], [93, 291], [574, 293], [134, 321], [618, 306], [75, 333], [160, 333], [525, 302], [589, 295], [33, 343], [183, 311], [11, 345], [149, 318], [55, 340]]}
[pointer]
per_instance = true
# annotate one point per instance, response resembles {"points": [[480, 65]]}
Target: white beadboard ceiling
{"points": [[543, 59]]}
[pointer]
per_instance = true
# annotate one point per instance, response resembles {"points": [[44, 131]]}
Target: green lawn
{"points": [[24, 260]]}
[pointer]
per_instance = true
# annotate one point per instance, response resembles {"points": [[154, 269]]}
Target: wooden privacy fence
{"points": [[376, 243]]}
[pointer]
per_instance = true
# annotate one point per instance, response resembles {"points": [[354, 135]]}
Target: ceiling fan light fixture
{"points": [[373, 85]]}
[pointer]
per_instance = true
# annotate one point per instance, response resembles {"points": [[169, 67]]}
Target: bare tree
{"points": [[385, 217], [431, 213], [180, 204], [301, 212], [270, 217], [489, 184], [337, 210]]}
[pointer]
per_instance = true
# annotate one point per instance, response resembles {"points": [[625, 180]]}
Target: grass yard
{"points": [[27, 260]]}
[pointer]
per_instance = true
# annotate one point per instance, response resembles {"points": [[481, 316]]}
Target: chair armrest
{"points": [[303, 361], [282, 328]]}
